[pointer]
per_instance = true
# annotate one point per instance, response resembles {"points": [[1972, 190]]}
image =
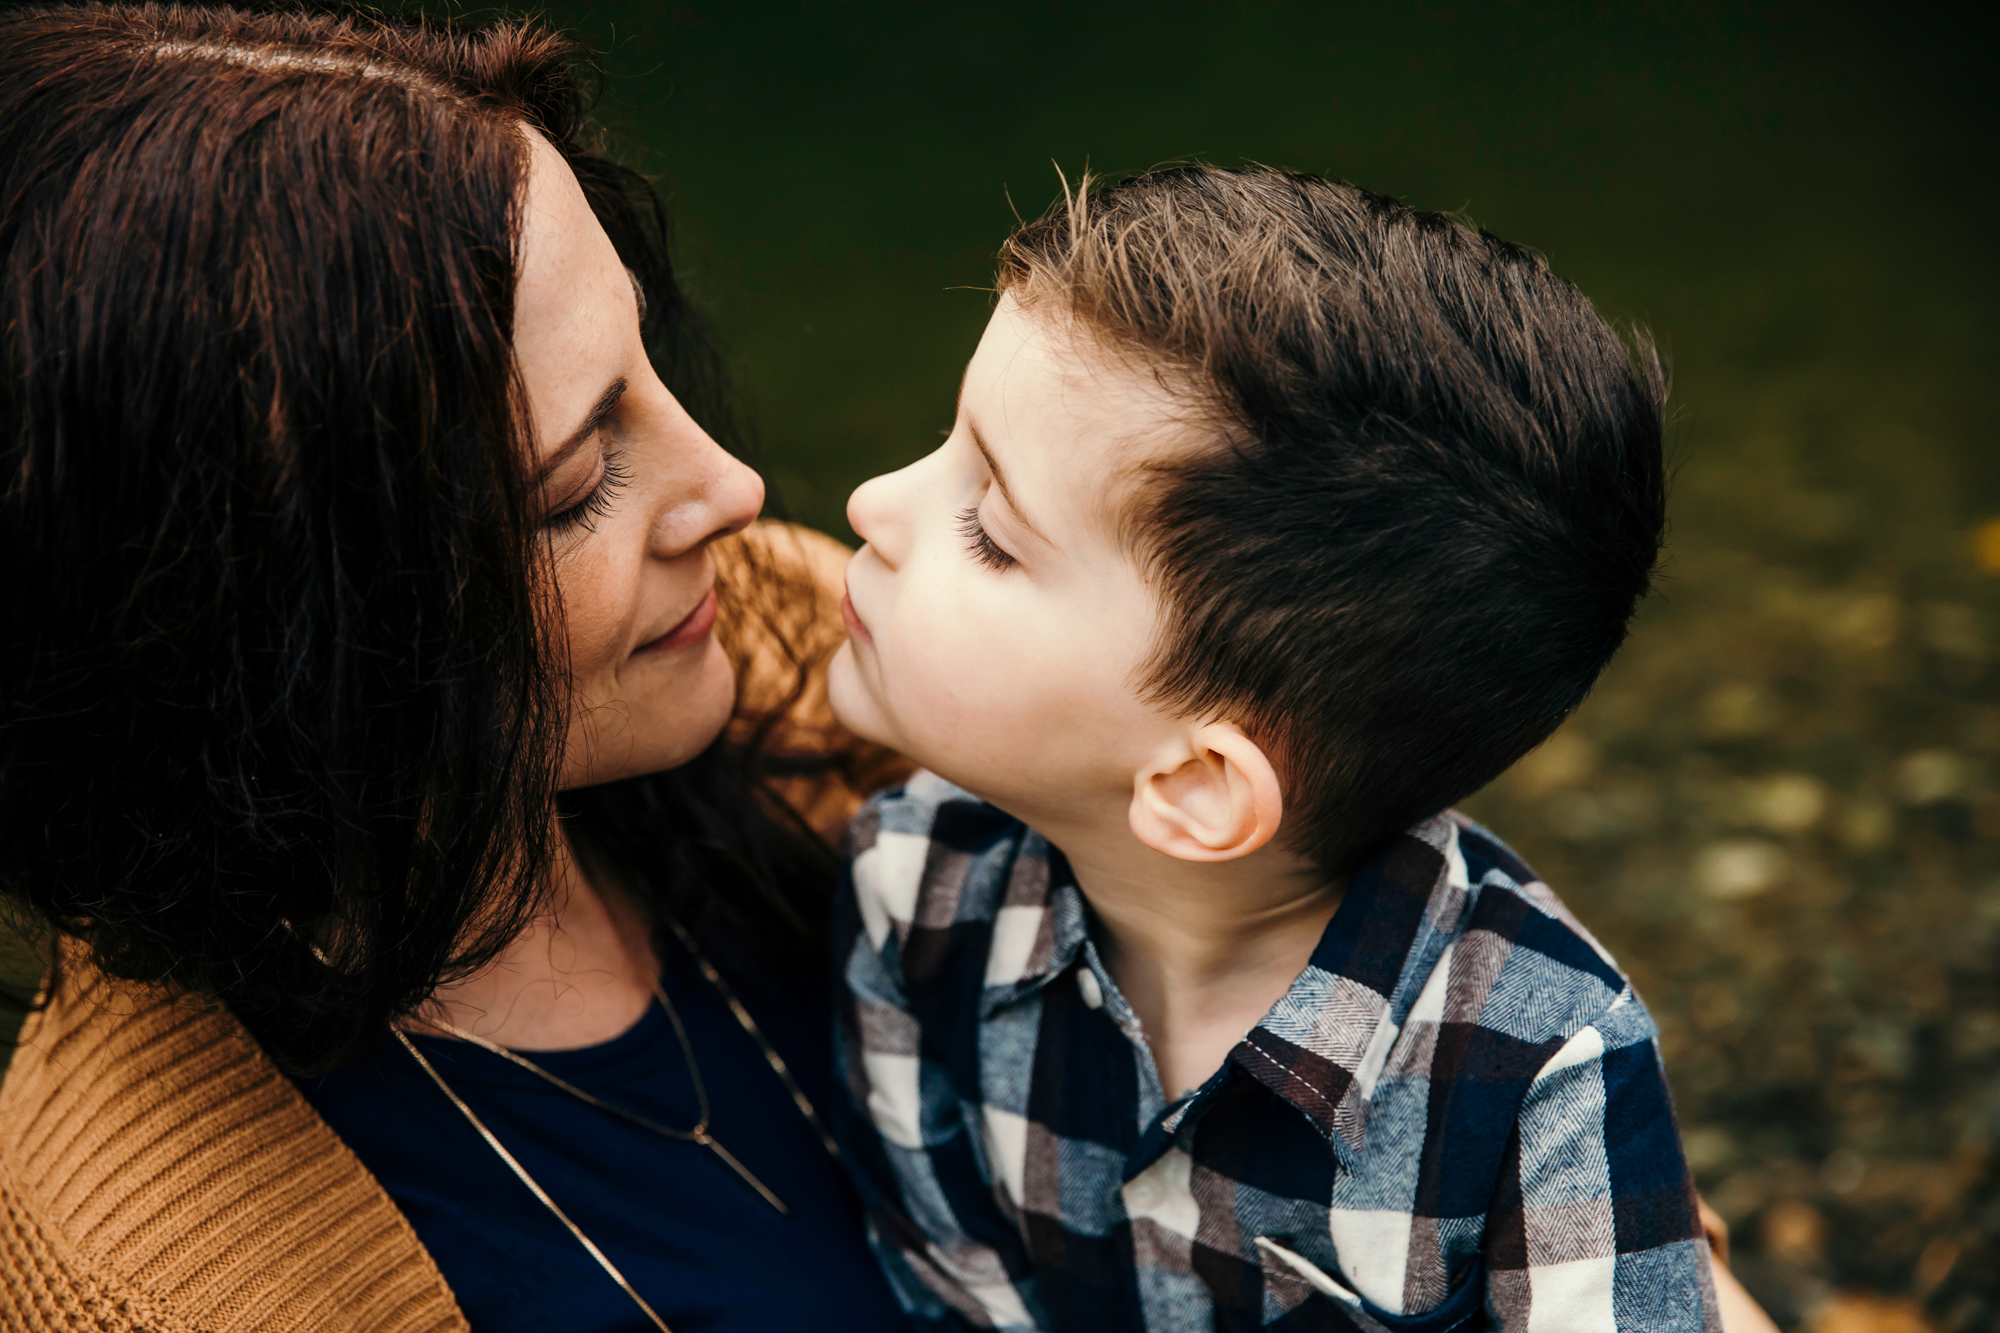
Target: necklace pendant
{"points": [[714, 1145]]}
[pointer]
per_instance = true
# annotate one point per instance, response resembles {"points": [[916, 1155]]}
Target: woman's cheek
{"points": [[593, 672], [594, 601]]}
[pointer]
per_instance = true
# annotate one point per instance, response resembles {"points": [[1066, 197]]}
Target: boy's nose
{"points": [[876, 517]]}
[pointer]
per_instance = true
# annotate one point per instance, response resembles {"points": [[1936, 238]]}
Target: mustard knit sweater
{"points": [[158, 1173]]}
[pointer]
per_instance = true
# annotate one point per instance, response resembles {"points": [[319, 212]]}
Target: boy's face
{"points": [[996, 624]]}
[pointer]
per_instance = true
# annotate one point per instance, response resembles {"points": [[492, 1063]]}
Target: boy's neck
{"points": [[1201, 951]]}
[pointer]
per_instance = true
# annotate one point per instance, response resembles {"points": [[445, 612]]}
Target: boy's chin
{"points": [[852, 706]]}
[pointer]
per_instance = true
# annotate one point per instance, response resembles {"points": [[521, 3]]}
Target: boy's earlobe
{"points": [[1213, 796]]}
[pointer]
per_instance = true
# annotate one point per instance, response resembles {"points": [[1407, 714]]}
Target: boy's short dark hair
{"points": [[1441, 495]]}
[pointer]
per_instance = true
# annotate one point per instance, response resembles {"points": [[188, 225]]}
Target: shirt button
{"points": [[1086, 985], [1142, 1194]]}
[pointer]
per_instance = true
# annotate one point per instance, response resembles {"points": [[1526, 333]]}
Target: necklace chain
{"points": [[749, 1025], [699, 1134], [493, 1142]]}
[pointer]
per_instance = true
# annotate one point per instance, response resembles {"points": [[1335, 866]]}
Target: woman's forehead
{"points": [[575, 314]]}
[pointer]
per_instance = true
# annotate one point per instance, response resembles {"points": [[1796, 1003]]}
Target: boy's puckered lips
{"points": [[852, 619]]}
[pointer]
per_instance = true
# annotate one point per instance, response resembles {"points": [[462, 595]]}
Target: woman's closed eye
{"points": [[979, 542], [583, 515]]}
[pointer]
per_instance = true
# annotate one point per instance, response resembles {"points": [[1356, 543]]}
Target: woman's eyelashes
{"points": [[583, 515], [979, 542]]}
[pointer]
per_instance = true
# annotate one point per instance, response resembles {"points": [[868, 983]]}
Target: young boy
{"points": [[1276, 518]]}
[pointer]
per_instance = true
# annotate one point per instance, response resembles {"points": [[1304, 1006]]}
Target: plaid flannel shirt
{"points": [[1456, 1118]]}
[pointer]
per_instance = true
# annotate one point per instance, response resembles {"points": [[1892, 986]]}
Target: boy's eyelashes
{"points": [[979, 542]]}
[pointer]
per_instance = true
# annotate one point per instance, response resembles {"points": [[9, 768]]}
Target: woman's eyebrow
{"points": [[579, 437], [1000, 480]]}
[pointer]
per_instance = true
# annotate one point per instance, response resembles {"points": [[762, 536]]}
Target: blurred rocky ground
{"points": [[1781, 811]]}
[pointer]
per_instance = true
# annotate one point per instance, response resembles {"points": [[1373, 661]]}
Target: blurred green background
{"points": [[1780, 808]]}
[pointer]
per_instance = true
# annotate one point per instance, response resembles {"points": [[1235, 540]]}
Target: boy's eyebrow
{"points": [[581, 435], [1000, 480]]}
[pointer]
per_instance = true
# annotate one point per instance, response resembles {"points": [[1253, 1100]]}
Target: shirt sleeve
{"points": [[952, 1253], [1595, 1225]]}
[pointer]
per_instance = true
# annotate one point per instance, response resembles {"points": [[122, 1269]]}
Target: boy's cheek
{"points": [[972, 688], [924, 698]]}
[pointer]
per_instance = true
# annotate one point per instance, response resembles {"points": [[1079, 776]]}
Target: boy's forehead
{"points": [[1082, 417], [1064, 367]]}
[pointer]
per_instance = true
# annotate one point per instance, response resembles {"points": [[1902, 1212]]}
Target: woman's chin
{"points": [[663, 728]]}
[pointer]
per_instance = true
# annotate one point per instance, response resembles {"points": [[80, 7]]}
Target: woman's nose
{"points": [[736, 495], [722, 496]]}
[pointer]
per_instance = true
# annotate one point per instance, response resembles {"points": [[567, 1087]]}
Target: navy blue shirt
{"points": [[693, 1239]]}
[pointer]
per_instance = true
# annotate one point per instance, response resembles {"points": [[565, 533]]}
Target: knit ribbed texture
{"points": [[157, 1172]]}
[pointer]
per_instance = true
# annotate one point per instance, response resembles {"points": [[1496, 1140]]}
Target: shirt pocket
{"points": [[1302, 1297]]}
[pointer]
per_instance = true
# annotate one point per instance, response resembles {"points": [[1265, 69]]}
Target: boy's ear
{"points": [[1213, 795]]}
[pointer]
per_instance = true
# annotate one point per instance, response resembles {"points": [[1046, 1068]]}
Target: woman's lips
{"points": [[693, 629], [852, 620]]}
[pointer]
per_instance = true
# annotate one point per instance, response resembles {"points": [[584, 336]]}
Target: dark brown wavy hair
{"points": [[278, 723]]}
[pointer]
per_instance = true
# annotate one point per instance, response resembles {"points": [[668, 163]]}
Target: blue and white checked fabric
{"points": [[1456, 1118]]}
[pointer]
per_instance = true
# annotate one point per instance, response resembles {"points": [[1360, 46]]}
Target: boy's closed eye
{"points": [[979, 542], [1008, 496]]}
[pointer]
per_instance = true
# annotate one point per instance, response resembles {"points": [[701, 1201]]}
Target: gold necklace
{"points": [[699, 1134]]}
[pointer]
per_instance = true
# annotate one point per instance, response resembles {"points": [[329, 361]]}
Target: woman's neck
{"points": [[581, 974]]}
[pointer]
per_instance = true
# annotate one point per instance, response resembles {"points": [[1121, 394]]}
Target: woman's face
{"points": [[633, 491]]}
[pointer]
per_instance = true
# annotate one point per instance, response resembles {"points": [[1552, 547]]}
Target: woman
{"points": [[425, 951]]}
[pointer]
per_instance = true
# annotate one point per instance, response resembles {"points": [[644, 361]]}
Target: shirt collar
{"points": [[1322, 1046], [1043, 915]]}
